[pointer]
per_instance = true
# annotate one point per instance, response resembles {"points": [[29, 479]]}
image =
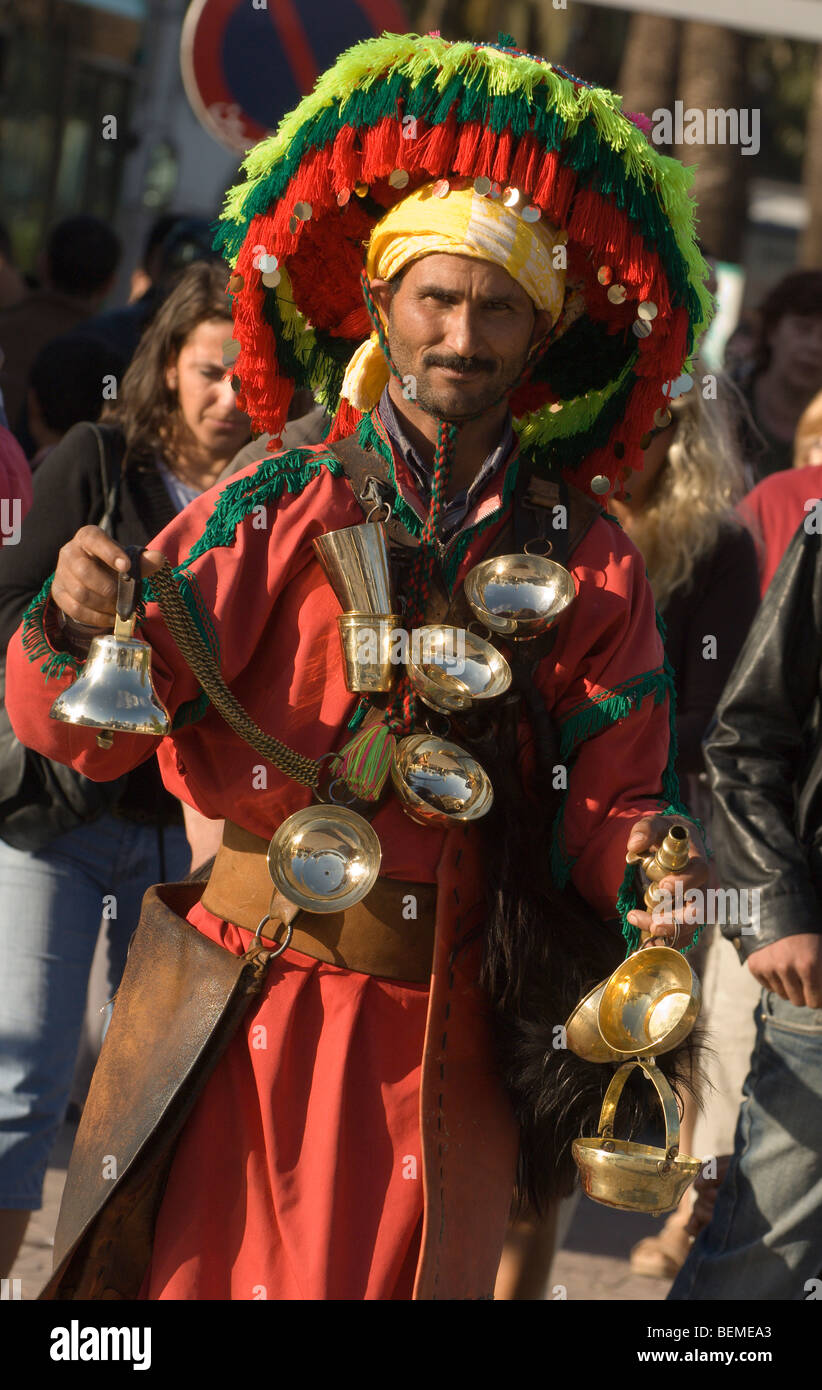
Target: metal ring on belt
{"points": [[289, 932]]}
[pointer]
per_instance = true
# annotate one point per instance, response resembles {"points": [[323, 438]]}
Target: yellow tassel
{"points": [[366, 375]]}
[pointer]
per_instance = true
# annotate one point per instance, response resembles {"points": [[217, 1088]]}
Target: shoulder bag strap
{"points": [[110, 484]]}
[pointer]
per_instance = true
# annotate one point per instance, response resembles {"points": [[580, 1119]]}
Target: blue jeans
{"points": [[52, 904], [764, 1240]]}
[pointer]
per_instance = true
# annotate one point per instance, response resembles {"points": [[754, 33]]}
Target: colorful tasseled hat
{"points": [[401, 111]]}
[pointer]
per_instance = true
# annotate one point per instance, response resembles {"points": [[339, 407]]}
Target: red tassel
{"points": [[543, 192], [440, 144], [485, 153], [532, 395], [345, 422], [465, 154], [518, 176], [379, 150], [345, 163], [502, 159]]}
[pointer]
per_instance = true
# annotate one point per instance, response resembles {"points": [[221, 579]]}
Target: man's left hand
{"points": [[645, 837]]}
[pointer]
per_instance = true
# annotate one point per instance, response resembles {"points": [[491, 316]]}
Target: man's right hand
{"points": [[85, 581], [791, 968]]}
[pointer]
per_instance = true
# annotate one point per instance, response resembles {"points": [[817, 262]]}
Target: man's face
{"points": [[459, 331]]}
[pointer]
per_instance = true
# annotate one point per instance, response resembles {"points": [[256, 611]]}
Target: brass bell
{"points": [[114, 691]]}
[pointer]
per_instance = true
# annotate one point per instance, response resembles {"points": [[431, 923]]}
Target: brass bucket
{"points": [[635, 1177]]}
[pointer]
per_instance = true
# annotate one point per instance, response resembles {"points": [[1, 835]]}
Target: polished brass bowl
{"points": [[324, 858], [650, 1003], [582, 1033], [635, 1177], [451, 669], [439, 783], [519, 596]]}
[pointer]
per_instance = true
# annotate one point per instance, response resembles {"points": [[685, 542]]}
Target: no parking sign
{"points": [[246, 62]]}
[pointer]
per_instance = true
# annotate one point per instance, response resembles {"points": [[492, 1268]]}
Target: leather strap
{"points": [[180, 1002], [390, 933], [370, 477]]}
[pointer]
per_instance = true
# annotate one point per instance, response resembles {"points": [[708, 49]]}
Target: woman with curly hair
{"points": [[701, 563]]}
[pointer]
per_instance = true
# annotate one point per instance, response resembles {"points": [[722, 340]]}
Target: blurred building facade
{"points": [[65, 67]]}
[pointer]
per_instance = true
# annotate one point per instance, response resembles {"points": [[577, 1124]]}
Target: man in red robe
{"points": [[354, 1140]]}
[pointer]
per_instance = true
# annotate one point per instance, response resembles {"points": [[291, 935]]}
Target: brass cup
{"points": [[355, 560], [451, 669], [324, 858], [114, 690], [635, 1177], [519, 596], [366, 647], [650, 1003], [439, 783], [582, 1033]]}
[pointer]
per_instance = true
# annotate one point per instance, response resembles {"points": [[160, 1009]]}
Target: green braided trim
{"points": [[585, 721], [591, 716], [36, 644], [370, 436], [290, 472]]}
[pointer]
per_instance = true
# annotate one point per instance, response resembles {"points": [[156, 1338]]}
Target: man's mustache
{"points": [[459, 364]]}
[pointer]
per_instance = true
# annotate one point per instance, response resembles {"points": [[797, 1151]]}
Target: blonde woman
{"points": [[702, 567]]}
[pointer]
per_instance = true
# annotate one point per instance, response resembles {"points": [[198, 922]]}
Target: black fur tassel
{"points": [[544, 949]]}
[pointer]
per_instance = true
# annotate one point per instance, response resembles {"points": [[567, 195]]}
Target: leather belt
{"points": [[389, 933]]}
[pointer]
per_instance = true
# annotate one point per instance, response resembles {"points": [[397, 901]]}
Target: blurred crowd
{"points": [[122, 416]]}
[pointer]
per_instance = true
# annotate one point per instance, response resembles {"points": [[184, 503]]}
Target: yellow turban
{"points": [[463, 223]]}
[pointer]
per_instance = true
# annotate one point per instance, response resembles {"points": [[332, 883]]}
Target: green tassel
{"points": [[628, 900], [591, 717], [358, 716], [36, 644], [364, 762]]}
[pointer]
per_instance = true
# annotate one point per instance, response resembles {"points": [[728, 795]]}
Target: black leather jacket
{"points": [[764, 758]]}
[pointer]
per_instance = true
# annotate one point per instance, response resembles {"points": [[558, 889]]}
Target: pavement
{"points": [[592, 1263]]}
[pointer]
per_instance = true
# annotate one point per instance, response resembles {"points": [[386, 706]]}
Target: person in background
{"points": [[702, 567], [764, 1239], [783, 372], [15, 488], [12, 284], [78, 269], [174, 242], [67, 383], [776, 506], [169, 435]]}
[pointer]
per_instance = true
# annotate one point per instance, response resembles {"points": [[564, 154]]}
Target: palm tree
{"points": [[647, 76], [712, 75], [810, 246]]}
